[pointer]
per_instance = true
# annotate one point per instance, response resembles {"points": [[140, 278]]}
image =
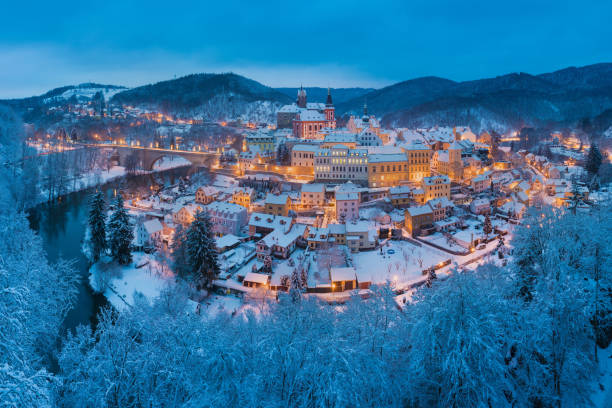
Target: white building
{"points": [[339, 164], [149, 232]]}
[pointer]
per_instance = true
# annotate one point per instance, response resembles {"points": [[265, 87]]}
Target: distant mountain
{"points": [[402, 95], [193, 91], [316, 94], [559, 98]]}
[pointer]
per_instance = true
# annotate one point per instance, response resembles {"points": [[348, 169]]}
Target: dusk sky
{"points": [[281, 43]]}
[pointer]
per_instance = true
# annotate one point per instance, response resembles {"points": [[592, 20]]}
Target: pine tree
{"points": [[296, 286], [179, 253], [487, 228], [201, 251], [120, 234], [97, 225], [593, 161]]}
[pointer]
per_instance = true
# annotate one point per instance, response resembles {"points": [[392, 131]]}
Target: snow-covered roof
{"points": [[311, 116], [421, 210], [257, 278], [346, 196], [384, 158], [305, 148], [313, 188], [343, 274], [269, 221], [430, 181], [283, 239], [280, 199], [226, 241], [153, 226]]}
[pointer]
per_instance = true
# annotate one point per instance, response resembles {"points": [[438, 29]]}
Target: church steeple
{"points": [[329, 98], [365, 109], [301, 97]]}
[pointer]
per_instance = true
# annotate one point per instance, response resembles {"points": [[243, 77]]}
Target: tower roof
{"points": [[329, 98]]}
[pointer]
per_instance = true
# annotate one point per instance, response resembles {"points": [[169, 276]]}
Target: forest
{"points": [[528, 334]]}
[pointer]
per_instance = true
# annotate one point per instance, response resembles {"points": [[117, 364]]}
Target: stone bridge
{"points": [[149, 156]]}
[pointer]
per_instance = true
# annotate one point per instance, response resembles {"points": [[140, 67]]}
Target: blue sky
{"points": [[47, 44]]}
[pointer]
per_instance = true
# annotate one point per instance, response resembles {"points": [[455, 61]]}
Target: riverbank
{"points": [[100, 177]]}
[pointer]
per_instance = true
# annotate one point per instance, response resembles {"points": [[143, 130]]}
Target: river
{"points": [[61, 225]]}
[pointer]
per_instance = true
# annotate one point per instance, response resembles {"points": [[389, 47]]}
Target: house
{"points": [[400, 196], [417, 219], [312, 195], [226, 218], [359, 236], [343, 279], [262, 224], [347, 206], [206, 194], [243, 196], [440, 207], [186, 214], [480, 206], [337, 233], [149, 232], [481, 183], [277, 204], [256, 280], [318, 238], [281, 243]]}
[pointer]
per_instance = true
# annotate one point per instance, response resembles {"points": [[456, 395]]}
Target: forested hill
{"points": [[563, 97], [192, 91]]}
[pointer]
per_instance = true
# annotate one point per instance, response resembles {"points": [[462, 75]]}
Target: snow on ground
{"points": [[402, 262], [119, 283], [170, 162]]}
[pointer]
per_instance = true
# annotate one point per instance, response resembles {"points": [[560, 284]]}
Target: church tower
{"points": [[301, 97], [330, 115]]}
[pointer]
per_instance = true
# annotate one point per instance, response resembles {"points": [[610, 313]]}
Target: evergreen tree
{"points": [[593, 161], [487, 228], [179, 253], [295, 292], [97, 225], [120, 234], [201, 251]]}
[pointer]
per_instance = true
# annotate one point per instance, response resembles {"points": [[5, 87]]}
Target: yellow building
{"points": [[243, 196], [263, 141], [416, 218], [277, 204], [419, 157], [436, 187], [387, 170]]}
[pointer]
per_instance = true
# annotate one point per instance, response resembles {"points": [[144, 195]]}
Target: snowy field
{"points": [[401, 262]]}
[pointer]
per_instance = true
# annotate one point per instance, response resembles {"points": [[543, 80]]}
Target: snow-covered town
{"points": [[265, 204]]}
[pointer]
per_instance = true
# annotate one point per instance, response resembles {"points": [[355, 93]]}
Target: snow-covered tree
{"points": [[487, 228], [295, 290], [97, 226], [593, 160], [120, 233], [201, 251]]}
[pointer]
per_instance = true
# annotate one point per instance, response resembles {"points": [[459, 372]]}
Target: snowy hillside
{"points": [[85, 92]]}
